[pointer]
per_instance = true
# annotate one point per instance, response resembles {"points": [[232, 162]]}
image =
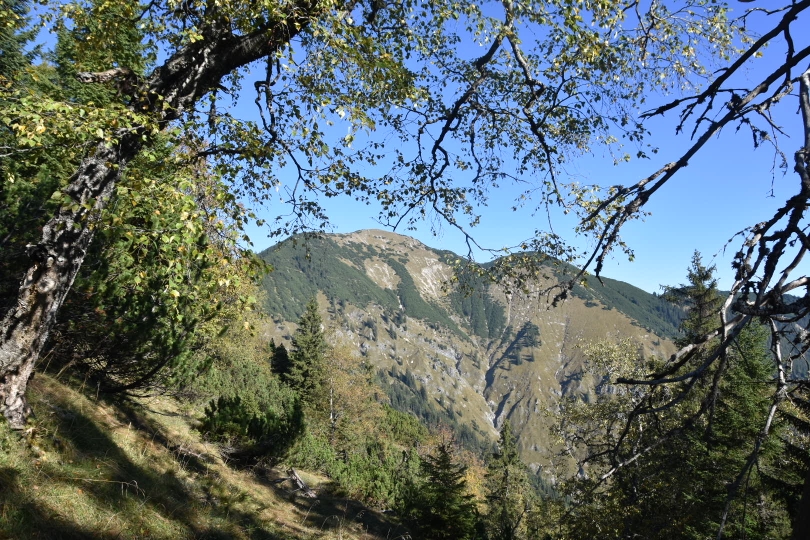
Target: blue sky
{"points": [[724, 190], [729, 186]]}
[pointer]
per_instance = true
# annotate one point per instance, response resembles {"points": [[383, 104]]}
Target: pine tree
{"points": [[280, 360], [308, 358], [700, 297], [438, 507], [508, 492]]}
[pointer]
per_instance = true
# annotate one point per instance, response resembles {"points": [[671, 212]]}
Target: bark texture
{"points": [[56, 261], [168, 92]]}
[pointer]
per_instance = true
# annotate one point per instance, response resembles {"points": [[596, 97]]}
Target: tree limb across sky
{"points": [[433, 129]]}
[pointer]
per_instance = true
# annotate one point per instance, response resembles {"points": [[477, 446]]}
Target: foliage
{"points": [[348, 433], [279, 360], [468, 297], [532, 99], [692, 460], [304, 266], [351, 398], [554, 80], [263, 434], [375, 470], [165, 259], [416, 306], [136, 312], [788, 476], [15, 35], [509, 495], [407, 395], [487, 318], [438, 505], [650, 311], [308, 359], [700, 298], [137, 468], [403, 428], [366, 447]]}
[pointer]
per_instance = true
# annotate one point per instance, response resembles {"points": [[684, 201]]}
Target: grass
{"points": [[87, 468]]}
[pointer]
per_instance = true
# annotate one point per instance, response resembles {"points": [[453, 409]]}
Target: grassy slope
{"points": [[89, 469]]}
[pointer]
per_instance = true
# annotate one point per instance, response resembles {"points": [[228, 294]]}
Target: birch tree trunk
{"points": [[168, 92], [55, 262]]}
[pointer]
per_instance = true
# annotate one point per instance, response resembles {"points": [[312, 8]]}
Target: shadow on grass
{"points": [[337, 513], [324, 513], [332, 513], [22, 518], [129, 413], [142, 502]]}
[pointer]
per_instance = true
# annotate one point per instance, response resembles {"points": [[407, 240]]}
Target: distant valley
{"points": [[469, 360]]}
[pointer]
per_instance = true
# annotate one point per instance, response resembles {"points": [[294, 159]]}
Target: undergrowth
{"points": [[85, 468]]}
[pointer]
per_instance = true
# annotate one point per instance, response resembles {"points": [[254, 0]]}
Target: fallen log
{"points": [[302, 486]]}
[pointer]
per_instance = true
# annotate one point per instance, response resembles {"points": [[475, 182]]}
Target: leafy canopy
{"points": [[429, 127]]}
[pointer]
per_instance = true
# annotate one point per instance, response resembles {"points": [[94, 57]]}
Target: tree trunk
{"points": [[56, 261], [172, 89]]}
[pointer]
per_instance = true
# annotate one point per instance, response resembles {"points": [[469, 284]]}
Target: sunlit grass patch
{"points": [[88, 469]]}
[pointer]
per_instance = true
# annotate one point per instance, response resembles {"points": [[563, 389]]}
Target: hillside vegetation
{"points": [[469, 356], [90, 468]]}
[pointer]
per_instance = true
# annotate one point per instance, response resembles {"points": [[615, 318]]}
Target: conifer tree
{"points": [[131, 318], [700, 297], [508, 491], [280, 360], [687, 485], [21, 200], [439, 507], [792, 483], [14, 37], [308, 358]]}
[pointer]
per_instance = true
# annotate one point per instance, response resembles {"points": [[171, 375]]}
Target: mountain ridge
{"points": [[478, 358]]}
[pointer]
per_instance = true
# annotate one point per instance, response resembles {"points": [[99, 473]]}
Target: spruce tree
{"points": [[280, 362], [694, 471], [308, 358], [14, 37], [21, 180], [508, 492], [134, 312], [683, 486], [791, 483], [701, 299], [739, 413], [438, 507]]}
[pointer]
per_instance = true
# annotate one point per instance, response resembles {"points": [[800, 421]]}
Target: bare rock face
{"points": [[479, 358]]}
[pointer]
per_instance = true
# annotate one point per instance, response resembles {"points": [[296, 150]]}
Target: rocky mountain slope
{"points": [[472, 360]]}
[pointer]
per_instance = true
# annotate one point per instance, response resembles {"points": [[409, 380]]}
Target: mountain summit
{"points": [[473, 358]]}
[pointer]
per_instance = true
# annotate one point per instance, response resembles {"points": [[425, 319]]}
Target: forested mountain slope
{"points": [[469, 359]]}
